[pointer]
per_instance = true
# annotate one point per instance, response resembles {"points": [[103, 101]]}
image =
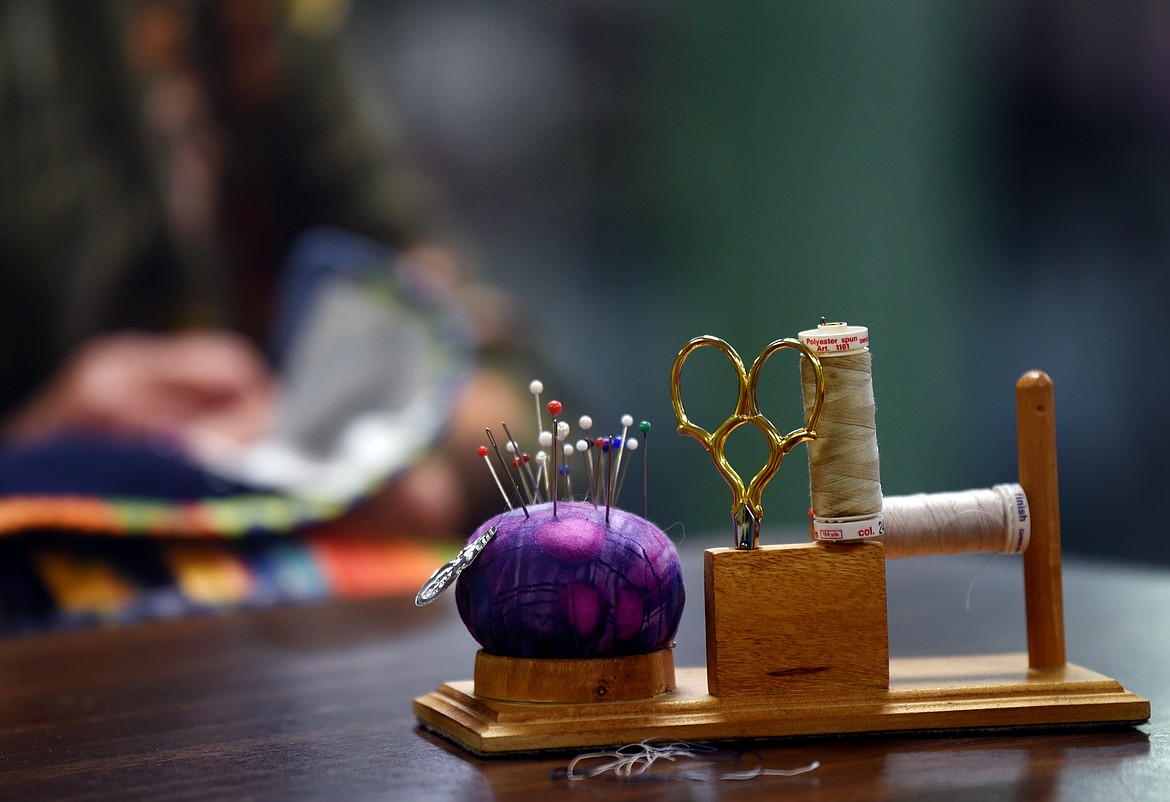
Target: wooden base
{"points": [[604, 679], [975, 692]]}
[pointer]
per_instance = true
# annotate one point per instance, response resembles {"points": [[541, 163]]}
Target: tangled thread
{"points": [[689, 762]]}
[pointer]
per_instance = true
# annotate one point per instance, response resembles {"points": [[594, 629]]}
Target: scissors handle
{"points": [[747, 511]]}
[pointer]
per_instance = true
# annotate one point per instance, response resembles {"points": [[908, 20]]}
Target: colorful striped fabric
{"points": [[56, 579]]}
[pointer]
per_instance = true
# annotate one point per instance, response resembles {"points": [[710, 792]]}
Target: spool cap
{"points": [[836, 339]]}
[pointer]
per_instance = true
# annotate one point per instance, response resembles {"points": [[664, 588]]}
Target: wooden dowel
{"points": [[1043, 596]]}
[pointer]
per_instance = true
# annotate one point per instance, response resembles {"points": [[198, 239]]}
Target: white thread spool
{"points": [[996, 519], [844, 471]]}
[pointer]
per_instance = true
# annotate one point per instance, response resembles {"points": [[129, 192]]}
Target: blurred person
{"points": [[159, 160]]}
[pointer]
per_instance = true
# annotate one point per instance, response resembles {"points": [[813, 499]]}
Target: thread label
{"points": [[848, 530], [849, 343], [1018, 518], [829, 339]]}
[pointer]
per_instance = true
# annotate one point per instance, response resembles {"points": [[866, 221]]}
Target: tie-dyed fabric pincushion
{"points": [[572, 585]]}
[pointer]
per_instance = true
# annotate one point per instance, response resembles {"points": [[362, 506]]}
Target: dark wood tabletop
{"points": [[314, 702]]}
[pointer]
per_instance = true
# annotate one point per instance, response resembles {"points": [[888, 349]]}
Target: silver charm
{"points": [[447, 574]]}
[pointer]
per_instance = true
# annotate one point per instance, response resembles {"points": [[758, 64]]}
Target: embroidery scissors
{"points": [[746, 510]]}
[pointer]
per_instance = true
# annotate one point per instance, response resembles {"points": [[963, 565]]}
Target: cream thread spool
{"points": [[995, 519], [844, 471]]}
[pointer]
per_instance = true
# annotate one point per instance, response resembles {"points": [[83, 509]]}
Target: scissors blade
{"points": [[747, 528]]}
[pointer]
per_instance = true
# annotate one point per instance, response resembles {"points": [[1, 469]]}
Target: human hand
{"points": [[180, 386]]}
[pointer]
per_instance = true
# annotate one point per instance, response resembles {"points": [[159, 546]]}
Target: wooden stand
{"points": [[798, 644], [806, 619]]}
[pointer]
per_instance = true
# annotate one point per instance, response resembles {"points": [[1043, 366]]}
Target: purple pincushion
{"points": [[572, 586]]}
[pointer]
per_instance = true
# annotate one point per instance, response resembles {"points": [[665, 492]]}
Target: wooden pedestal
{"points": [[988, 691]]}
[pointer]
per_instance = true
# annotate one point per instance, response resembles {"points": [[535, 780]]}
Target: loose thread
{"points": [[974, 579], [688, 762]]}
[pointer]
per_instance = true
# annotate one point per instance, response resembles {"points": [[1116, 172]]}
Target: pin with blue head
{"points": [[565, 469]]}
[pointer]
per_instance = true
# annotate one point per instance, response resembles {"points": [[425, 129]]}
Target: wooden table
{"points": [[315, 703]]}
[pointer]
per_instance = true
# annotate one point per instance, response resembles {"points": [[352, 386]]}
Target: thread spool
{"points": [[845, 476], [995, 519], [844, 471]]}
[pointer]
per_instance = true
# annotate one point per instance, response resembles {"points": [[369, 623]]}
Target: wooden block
{"points": [[602, 679], [805, 620]]}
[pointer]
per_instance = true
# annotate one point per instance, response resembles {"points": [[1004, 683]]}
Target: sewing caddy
{"points": [[797, 636]]}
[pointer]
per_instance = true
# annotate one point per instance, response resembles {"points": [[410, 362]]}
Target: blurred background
{"points": [[985, 186]]}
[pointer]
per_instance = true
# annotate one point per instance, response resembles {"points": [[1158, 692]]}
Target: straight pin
{"points": [[608, 478], [518, 464], [524, 463], [598, 445], [627, 421], [546, 443], [583, 448], [483, 452], [566, 468], [631, 444], [541, 473], [519, 495], [554, 409], [644, 427], [536, 387], [616, 445]]}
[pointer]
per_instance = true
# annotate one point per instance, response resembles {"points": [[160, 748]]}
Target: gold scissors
{"points": [[746, 509]]}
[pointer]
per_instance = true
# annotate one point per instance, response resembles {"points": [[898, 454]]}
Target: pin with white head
{"points": [[542, 479], [583, 447], [536, 387], [586, 423], [546, 442], [627, 421], [629, 444]]}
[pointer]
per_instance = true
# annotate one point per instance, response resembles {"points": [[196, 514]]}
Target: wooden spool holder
{"points": [[798, 644]]}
